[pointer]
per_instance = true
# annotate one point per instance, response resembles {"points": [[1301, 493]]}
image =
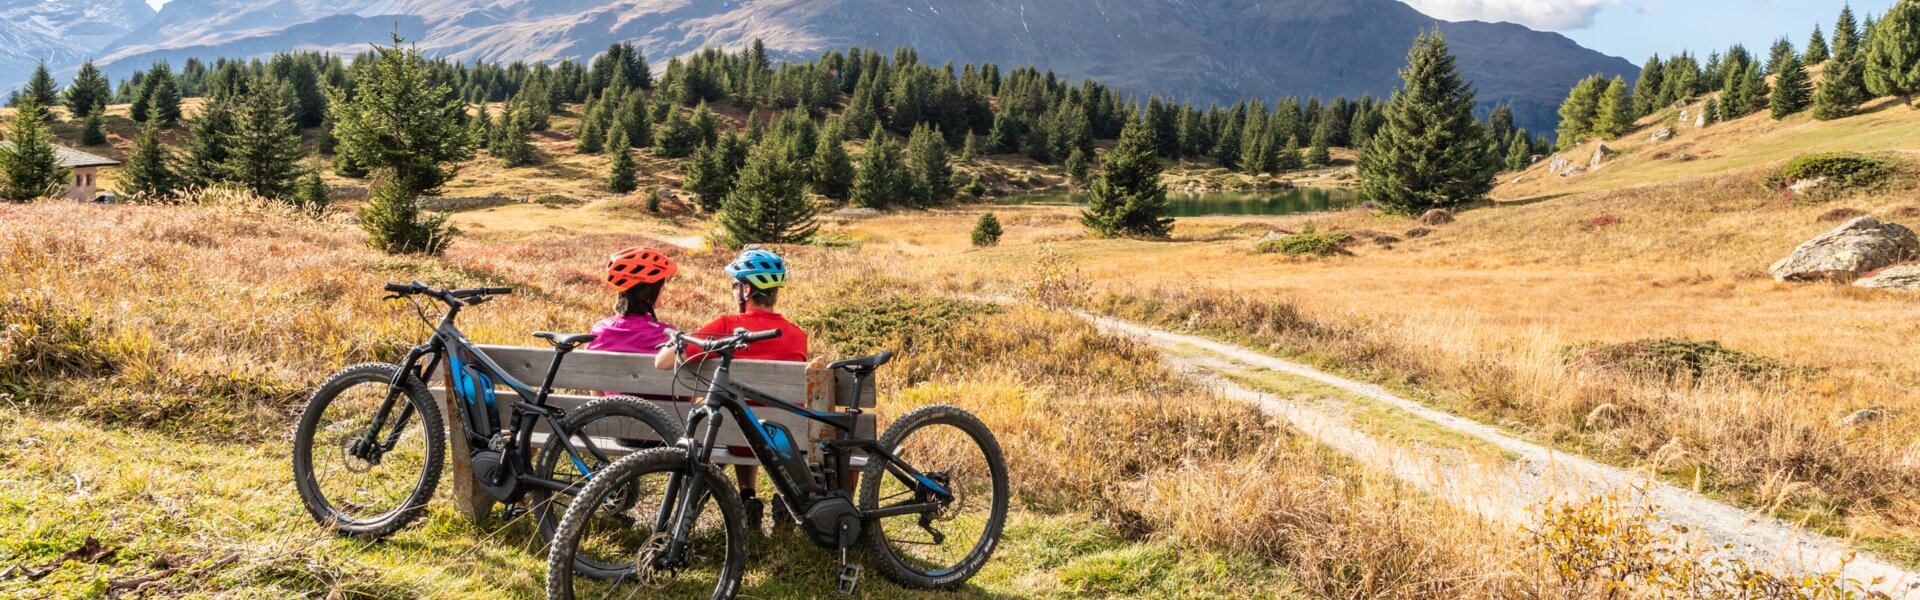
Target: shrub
{"points": [[1306, 243], [1602, 221], [1671, 358], [653, 201], [986, 231], [1844, 171], [1840, 214], [877, 314]]}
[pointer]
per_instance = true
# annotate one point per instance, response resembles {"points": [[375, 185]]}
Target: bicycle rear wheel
{"points": [[601, 431], [944, 548], [644, 483], [363, 489]]}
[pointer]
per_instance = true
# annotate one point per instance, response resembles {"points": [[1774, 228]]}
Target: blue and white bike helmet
{"points": [[760, 269]]}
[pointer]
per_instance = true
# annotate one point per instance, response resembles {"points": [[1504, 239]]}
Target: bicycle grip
{"points": [[497, 291], [761, 336], [399, 288]]}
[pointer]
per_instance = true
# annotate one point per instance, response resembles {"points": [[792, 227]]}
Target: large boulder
{"points": [[1663, 134], [1437, 216], [1559, 164], [1904, 277], [1600, 154], [1849, 251]]}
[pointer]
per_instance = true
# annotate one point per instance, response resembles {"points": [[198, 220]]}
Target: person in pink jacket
{"points": [[638, 274]]}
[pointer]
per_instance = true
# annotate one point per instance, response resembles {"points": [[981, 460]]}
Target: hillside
{"points": [[1223, 52], [61, 32]]}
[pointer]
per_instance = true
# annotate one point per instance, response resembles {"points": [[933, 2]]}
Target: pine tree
{"points": [[41, 90], [1079, 167], [1817, 47], [1778, 55], [90, 89], [1578, 111], [1791, 89], [404, 123], [1289, 158], [207, 148], [1519, 153], [513, 141], [768, 204], [927, 161], [1893, 52], [1127, 199], [593, 136], [1322, 135], [1756, 90], [1615, 114], [712, 171], [263, 150], [881, 181], [1713, 110], [1430, 153], [310, 194], [675, 138], [149, 171], [706, 130], [622, 176], [967, 148], [833, 172], [986, 231], [1846, 34], [28, 161], [1842, 88], [95, 132], [633, 119], [1646, 90], [159, 97]]}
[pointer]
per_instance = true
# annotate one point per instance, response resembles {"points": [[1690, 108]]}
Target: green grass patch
{"points": [[1305, 244], [1845, 172], [1375, 417], [1680, 358], [873, 314]]}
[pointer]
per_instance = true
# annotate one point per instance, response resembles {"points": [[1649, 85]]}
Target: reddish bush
{"points": [[1840, 214], [1602, 221]]}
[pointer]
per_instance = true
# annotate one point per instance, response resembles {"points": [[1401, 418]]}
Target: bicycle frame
{"points": [[726, 397], [476, 391]]}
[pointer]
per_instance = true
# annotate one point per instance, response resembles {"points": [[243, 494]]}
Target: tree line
{"points": [[1862, 61]]}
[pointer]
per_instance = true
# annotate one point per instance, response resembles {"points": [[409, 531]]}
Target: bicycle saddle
{"points": [[864, 362], [565, 339]]}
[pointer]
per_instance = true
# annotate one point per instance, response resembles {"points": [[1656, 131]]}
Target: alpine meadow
{"points": [[812, 298]]}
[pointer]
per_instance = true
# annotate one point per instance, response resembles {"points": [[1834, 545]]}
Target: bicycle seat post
{"points": [[546, 387]]}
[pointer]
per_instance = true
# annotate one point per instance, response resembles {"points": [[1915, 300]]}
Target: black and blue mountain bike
{"points": [[371, 443], [931, 503]]}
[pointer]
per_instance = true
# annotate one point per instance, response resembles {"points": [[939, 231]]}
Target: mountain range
{"points": [[1191, 50]]}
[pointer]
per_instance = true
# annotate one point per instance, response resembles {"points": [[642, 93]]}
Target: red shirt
{"points": [[790, 346]]}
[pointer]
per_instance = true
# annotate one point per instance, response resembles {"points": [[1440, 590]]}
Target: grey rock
{"points": [[1663, 134], [1861, 417], [1599, 154], [1571, 171], [1848, 251], [1904, 277], [1559, 163], [1437, 216], [1803, 185]]}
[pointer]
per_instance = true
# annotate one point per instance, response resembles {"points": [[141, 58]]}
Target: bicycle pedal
{"points": [[849, 579], [513, 512]]}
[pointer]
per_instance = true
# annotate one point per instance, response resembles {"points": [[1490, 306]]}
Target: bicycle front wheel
{"points": [[643, 487], [944, 547], [599, 432], [361, 481]]}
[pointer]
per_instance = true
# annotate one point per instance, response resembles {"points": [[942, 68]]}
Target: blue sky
{"points": [[1635, 29]]}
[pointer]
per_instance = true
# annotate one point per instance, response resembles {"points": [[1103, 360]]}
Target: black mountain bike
{"points": [[370, 445], [931, 505]]}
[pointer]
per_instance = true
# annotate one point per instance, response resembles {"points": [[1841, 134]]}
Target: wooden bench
{"points": [[585, 373]]}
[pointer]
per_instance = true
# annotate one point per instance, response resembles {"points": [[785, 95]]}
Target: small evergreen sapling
{"points": [[986, 231], [622, 176]]}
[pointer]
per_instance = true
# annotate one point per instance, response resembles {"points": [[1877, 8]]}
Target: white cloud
{"points": [[1550, 15]]}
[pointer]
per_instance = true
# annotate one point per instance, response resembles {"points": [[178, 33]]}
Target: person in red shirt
{"points": [[758, 276]]}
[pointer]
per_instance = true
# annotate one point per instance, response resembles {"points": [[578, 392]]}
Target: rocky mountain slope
{"points": [[1198, 50], [62, 32]]}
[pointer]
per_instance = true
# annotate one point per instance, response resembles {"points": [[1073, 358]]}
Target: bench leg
{"points": [[468, 498]]}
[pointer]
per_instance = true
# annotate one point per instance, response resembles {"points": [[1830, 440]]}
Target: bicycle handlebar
{"points": [[726, 345], [400, 290]]}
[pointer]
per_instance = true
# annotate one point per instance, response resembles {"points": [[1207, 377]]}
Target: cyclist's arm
{"points": [[665, 359]]}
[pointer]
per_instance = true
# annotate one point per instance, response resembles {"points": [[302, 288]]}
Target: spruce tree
{"points": [[768, 204], [623, 175], [207, 148], [706, 129], [1646, 90], [1322, 136], [1792, 89], [1615, 114], [263, 150], [1816, 47], [881, 181], [1430, 153], [1778, 55], [633, 119], [90, 89], [1757, 92], [159, 97], [833, 171], [1578, 111], [95, 132], [1519, 153], [712, 170], [1842, 88], [28, 161], [968, 149], [927, 161], [311, 195], [1713, 111], [1079, 167], [986, 231], [593, 136], [1127, 199], [149, 171], [1289, 158], [513, 142], [675, 138], [1893, 52], [1846, 33], [41, 90], [404, 123]]}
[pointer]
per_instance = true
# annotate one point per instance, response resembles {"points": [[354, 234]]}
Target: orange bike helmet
{"points": [[637, 265]]}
